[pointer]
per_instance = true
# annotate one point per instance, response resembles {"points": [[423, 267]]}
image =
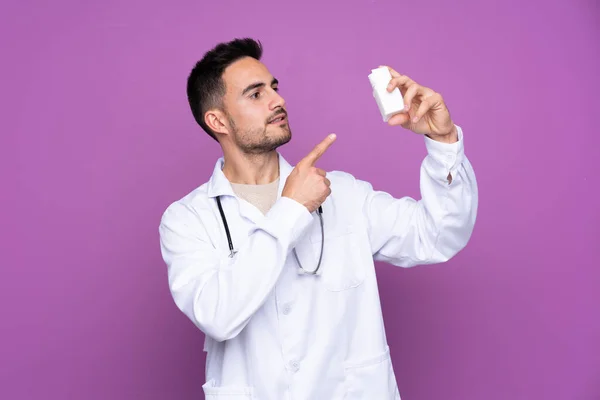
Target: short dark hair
{"points": [[205, 86]]}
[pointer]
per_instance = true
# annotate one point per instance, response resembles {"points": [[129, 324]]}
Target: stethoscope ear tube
{"points": [[231, 251]]}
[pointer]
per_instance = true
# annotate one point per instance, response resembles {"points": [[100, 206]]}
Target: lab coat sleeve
{"points": [[407, 232], [217, 293]]}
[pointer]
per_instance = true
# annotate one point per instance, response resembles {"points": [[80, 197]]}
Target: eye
{"points": [[276, 88], [255, 95]]}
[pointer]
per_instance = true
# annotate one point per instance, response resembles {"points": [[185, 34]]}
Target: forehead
{"points": [[245, 72]]}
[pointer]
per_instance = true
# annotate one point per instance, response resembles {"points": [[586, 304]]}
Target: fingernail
{"points": [[416, 119], [332, 136], [407, 107]]}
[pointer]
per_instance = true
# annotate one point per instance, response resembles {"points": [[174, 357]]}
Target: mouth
{"points": [[278, 119]]}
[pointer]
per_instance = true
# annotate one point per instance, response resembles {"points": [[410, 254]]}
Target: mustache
{"points": [[278, 114]]}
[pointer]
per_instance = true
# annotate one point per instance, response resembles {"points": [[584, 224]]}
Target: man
{"points": [[275, 264]]}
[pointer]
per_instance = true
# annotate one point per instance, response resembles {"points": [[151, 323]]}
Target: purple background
{"points": [[97, 139]]}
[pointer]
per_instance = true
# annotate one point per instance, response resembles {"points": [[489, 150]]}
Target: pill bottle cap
{"points": [[380, 77]]}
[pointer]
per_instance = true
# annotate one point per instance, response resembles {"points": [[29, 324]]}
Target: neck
{"points": [[252, 169]]}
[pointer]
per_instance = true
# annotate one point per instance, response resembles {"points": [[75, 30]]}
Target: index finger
{"points": [[318, 151], [398, 78], [393, 72]]}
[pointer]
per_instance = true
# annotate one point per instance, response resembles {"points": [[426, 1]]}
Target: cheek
{"points": [[251, 113]]}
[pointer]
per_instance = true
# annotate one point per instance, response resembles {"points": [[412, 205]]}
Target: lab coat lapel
{"points": [[303, 248], [219, 185]]}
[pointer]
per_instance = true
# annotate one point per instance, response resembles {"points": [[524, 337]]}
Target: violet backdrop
{"points": [[97, 140]]}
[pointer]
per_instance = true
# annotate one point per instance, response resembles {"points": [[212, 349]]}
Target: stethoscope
{"points": [[232, 251]]}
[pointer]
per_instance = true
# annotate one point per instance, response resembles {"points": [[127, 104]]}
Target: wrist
{"points": [[450, 137]]}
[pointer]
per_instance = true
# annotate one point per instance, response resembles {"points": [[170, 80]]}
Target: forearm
{"points": [[220, 294], [448, 207], [407, 232]]}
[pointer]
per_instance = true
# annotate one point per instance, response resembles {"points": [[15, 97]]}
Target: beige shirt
{"points": [[261, 196]]}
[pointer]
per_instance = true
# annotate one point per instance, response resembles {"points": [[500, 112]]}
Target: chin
{"points": [[281, 134], [286, 137]]}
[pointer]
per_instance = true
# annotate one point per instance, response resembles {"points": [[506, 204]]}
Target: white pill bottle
{"points": [[389, 103]]}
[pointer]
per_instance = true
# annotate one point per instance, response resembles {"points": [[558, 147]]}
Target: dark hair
{"points": [[205, 87]]}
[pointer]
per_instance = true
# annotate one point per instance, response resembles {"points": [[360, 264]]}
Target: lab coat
{"points": [[275, 333]]}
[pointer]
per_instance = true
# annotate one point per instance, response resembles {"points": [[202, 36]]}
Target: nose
{"points": [[277, 101]]}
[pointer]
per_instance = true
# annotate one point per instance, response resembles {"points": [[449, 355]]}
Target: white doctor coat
{"points": [[273, 333]]}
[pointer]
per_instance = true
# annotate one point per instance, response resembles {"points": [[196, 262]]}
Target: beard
{"points": [[260, 140]]}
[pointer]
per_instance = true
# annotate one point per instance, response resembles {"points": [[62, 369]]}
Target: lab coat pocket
{"points": [[343, 265], [212, 392], [372, 378]]}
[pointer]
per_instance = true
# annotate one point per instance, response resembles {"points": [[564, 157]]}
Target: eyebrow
{"points": [[258, 85]]}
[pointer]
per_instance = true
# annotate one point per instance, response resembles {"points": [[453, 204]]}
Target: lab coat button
{"points": [[294, 365], [286, 309]]}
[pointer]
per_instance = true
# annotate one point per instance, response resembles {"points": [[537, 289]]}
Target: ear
{"points": [[217, 121]]}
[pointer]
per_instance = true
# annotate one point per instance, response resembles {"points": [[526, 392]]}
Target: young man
{"points": [[275, 264]]}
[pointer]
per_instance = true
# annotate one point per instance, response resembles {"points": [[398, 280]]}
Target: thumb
{"points": [[400, 119]]}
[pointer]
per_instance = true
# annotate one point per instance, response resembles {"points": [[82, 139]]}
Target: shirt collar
{"points": [[219, 185]]}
